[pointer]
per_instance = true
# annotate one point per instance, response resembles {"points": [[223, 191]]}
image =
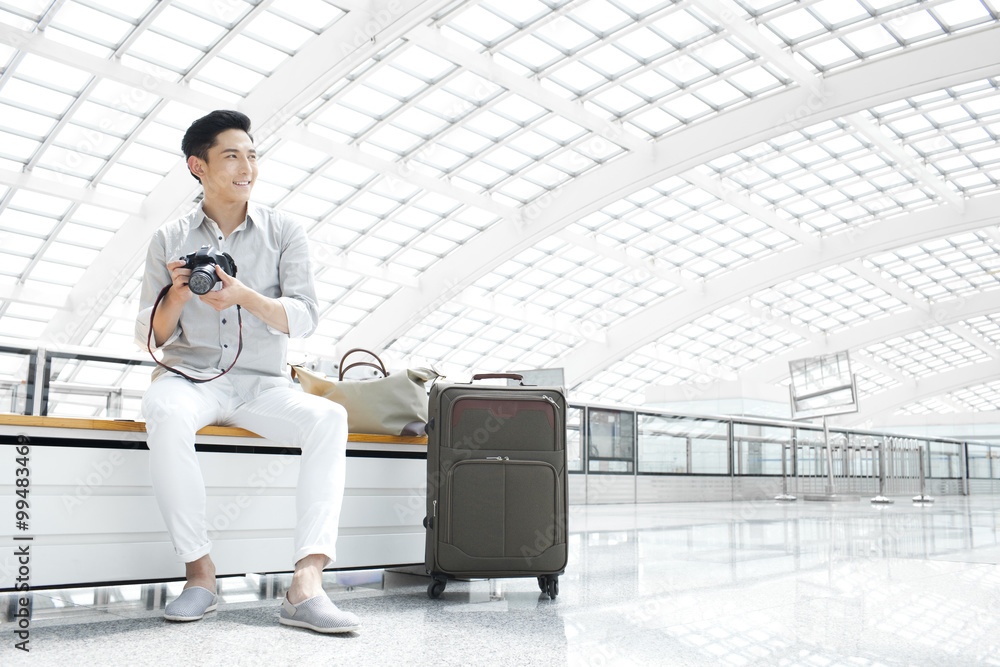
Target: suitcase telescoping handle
{"points": [[497, 376]]}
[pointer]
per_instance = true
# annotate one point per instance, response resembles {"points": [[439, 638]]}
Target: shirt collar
{"points": [[252, 210]]}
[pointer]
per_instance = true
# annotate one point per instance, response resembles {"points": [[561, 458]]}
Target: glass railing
{"points": [[72, 383], [619, 441]]}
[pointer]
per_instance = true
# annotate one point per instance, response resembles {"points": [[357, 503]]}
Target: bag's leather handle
{"points": [[497, 376], [379, 367]]}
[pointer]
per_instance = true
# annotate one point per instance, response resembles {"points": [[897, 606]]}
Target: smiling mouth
{"points": [[241, 182]]}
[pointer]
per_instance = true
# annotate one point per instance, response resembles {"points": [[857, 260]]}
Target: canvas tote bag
{"points": [[393, 404]]}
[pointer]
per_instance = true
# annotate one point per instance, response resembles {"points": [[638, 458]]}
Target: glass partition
{"points": [[94, 386], [945, 460], [17, 380], [809, 452], [979, 461], [574, 439], [671, 444], [759, 448], [611, 446]]}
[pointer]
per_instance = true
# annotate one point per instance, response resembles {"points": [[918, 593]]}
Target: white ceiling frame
{"points": [[911, 72], [76, 194], [107, 69], [646, 327], [272, 103], [726, 12], [910, 299], [884, 403], [767, 375]]}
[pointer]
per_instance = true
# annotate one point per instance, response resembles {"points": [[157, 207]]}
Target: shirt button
{"points": [[220, 238], [226, 346], [223, 321]]}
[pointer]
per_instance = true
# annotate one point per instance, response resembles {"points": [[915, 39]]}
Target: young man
{"points": [[274, 297]]}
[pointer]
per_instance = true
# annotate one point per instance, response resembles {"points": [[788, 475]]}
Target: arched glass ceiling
{"points": [[667, 194]]}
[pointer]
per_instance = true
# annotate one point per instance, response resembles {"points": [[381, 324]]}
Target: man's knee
{"points": [[330, 420]]}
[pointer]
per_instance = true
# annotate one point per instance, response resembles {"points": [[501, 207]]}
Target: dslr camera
{"points": [[202, 264]]}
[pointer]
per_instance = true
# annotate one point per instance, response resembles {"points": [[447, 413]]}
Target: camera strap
{"points": [[149, 340]]}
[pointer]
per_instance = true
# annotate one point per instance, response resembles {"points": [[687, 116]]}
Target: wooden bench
{"points": [[92, 517]]}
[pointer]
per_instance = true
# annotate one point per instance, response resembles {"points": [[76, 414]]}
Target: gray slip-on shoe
{"points": [[192, 604], [319, 614]]}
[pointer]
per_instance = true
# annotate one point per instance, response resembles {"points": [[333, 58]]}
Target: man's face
{"points": [[231, 169]]}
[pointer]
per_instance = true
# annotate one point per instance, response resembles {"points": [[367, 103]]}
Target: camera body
{"points": [[202, 264]]}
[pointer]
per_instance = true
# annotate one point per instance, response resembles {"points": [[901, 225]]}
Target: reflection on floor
{"points": [[747, 583]]}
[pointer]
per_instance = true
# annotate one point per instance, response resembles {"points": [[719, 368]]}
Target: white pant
{"points": [[174, 409]]}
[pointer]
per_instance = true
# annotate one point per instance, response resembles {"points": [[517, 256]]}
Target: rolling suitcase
{"points": [[496, 483]]}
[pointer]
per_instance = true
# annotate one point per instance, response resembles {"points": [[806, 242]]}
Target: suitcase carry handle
{"points": [[498, 376]]}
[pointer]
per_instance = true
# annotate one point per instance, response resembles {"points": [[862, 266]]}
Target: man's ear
{"points": [[196, 165]]}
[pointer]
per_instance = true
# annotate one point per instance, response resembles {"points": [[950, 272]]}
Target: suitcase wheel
{"points": [[436, 587], [549, 584]]}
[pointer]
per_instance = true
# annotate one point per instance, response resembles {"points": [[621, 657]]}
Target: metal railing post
{"points": [[923, 497]]}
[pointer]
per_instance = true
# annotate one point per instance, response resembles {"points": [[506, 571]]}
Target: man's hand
{"points": [[179, 292], [233, 292]]}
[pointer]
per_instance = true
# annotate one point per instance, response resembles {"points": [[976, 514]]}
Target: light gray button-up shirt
{"points": [[272, 257]]}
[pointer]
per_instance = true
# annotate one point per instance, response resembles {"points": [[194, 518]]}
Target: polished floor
{"points": [[746, 583]]}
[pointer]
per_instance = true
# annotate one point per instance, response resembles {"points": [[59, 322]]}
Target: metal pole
{"points": [[784, 478], [923, 497], [881, 498]]}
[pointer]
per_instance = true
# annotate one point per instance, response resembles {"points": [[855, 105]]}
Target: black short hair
{"points": [[202, 134]]}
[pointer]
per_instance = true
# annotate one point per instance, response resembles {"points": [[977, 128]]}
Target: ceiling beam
{"points": [[914, 71], [762, 380], [633, 332], [883, 404]]}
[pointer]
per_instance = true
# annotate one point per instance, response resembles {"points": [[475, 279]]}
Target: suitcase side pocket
{"points": [[501, 508]]}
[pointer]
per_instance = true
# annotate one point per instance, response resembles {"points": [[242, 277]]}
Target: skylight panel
{"points": [[565, 34], [270, 28], [655, 122], [484, 26], [253, 54], [611, 61], [230, 76], [164, 51], [961, 13], [645, 45], [316, 14], [184, 26], [829, 54], [491, 125], [915, 27], [74, 18], [533, 53], [684, 70], [445, 104], [61, 160], [25, 122], [681, 28], [838, 13], [395, 82], [394, 139], [578, 78], [372, 102], [601, 17], [51, 102], [872, 40], [720, 94], [149, 158], [687, 108], [18, 148]]}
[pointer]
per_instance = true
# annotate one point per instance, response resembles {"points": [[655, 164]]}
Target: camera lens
{"points": [[202, 280]]}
